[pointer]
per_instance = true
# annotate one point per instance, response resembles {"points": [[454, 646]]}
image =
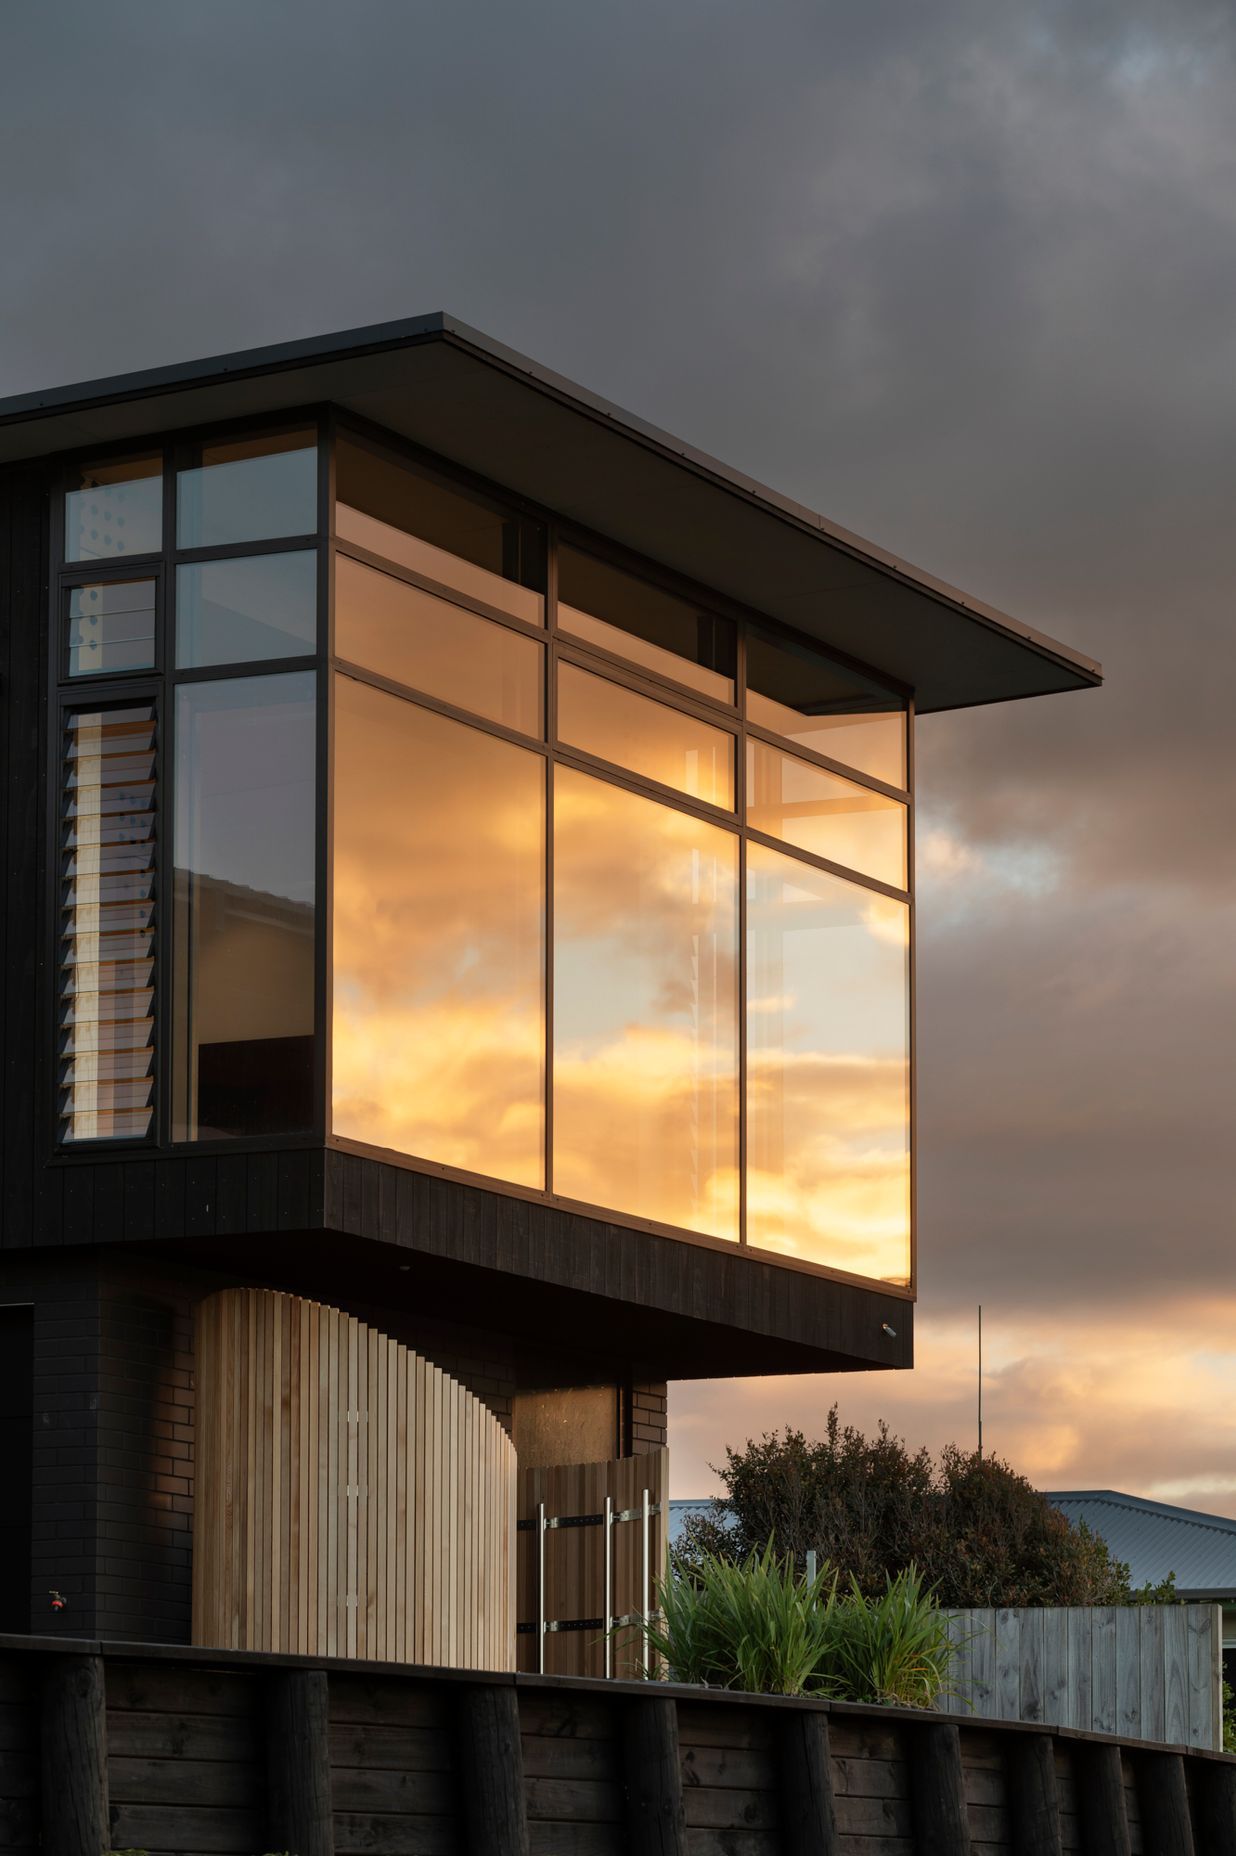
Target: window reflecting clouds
{"points": [[651, 738], [645, 1007], [599, 1059], [413, 637], [439, 1031], [826, 815], [821, 705], [828, 1155], [605, 606], [415, 518]]}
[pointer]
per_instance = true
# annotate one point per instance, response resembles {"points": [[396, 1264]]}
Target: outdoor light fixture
{"points": [[886, 1327]]}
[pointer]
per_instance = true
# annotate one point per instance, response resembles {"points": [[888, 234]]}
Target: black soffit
{"points": [[454, 391]]}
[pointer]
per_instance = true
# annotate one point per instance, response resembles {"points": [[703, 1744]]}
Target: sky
{"points": [[961, 277]]}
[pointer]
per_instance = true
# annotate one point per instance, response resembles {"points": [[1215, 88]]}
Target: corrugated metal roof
{"points": [[1154, 1538], [680, 1510], [1157, 1539]]}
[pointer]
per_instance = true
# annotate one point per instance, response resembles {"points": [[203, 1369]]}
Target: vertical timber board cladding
{"points": [[575, 1558], [353, 1499]]}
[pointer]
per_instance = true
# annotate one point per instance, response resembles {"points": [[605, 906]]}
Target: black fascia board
{"points": [[455, 391]]}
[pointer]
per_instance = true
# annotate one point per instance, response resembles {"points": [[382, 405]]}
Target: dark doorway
{"points": [[16, 1464]]}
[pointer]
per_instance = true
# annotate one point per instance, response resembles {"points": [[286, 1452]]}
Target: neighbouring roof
{"points": [[466, 397], [1157, 1539], [1154, 1538], [680, 1511]]}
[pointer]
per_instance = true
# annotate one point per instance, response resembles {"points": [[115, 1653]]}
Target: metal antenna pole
{"points": [[980, 1382]]}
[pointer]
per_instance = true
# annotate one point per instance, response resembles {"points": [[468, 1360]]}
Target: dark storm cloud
{"points": [[961, 276]]}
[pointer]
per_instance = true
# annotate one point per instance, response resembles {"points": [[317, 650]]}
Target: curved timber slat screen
{"points": [[352, 1499]]}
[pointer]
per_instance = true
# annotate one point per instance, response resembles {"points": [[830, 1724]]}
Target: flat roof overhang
{"points": [[456, 392]]}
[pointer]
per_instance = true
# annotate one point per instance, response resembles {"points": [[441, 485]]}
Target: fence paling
{"points": [[1151, 1672]]}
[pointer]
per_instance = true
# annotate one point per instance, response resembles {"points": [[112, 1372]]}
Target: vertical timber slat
{"points": [[73, 1757], [298, 1763], [1214, 1796], [1100, 1792], [808, 1810], [655, 1818], [1164, 1800], [941, 1821], [1034, 1796], [491, 1771]]}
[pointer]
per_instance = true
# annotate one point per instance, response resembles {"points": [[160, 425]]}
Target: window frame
{"points": [[160, 685]]}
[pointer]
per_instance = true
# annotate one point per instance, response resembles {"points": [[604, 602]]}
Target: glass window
{"points": [[110, 627], [107, 926], [828, 1112], [639, 621], [821, 812], [438, 1046], [645, 1007], [248, 489], [115, 509], [619, 725], [796, 692], [416, 520], [242, 611], [243, 897], [412, 636]]}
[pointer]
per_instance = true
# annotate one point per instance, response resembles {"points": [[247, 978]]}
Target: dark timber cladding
{"points": [[683, 1309], [130, 1748]]}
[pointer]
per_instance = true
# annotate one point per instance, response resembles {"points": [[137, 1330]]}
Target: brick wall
{"points": [[648, 1424]]}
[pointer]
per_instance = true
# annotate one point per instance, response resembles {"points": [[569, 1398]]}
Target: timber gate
{"points": [[593, 1540]]}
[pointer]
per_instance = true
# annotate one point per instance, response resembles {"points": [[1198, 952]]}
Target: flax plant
{"points": [[755, 1625], [892, 1648]]}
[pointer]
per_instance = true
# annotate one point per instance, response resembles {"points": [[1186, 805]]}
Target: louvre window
{"points": [[107, 945]]}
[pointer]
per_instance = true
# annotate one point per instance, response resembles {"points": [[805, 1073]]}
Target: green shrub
{"points": [[975, 1529], [755, 1625]]}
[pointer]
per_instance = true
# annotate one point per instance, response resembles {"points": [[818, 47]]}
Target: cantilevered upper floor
{"points": [[443, 810]]}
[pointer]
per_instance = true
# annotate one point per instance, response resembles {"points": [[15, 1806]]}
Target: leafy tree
{"points": [[977, 1531]]}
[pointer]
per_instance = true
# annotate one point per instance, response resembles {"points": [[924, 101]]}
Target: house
{"points": [[458, 974], [1158, 1541]]}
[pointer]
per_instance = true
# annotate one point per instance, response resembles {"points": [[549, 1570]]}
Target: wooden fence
{"points": [[1150, 1672], [353, 1499], [180, 1752]]}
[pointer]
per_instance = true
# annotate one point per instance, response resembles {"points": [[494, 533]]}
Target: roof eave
{"points": [[1016, 661]]}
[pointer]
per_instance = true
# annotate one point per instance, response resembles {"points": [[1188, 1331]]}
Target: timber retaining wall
{"points": [[181, 1752]]}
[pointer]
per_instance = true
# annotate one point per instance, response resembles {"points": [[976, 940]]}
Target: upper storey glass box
{"points": [[397, 814]]}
